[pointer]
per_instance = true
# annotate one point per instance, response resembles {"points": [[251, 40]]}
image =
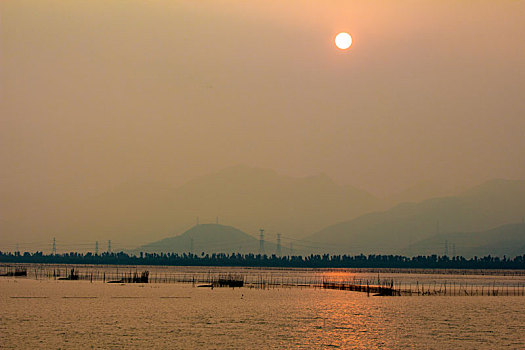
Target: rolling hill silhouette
{"points": [[210, 238]]}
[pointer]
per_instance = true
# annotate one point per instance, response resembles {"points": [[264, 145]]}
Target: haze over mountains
{"points": [[424, 190], [503, 240], [469, 224], [481, 208], [506, 240], [242, 196], [313, 213]]}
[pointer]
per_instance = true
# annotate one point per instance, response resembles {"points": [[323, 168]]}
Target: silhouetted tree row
{"points": [[253, 260]]}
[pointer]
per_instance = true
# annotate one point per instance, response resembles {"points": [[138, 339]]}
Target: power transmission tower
{"points": [[109, 246], [96, 248], [261, 241], [54, 247], [278, 244], [454, 250]]}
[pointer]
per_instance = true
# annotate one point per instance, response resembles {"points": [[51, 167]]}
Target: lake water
{"points": [[48, 313]]}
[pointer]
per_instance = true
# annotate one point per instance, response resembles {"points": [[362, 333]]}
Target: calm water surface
{"points": [[79, 314]]}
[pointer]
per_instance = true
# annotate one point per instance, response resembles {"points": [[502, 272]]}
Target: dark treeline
{"points": [[252, 260]]}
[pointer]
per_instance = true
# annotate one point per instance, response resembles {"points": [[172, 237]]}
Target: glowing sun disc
{"points": [[343, 41]]}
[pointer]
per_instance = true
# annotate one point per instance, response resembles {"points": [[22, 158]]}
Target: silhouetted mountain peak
{"points": [[210, 238]]}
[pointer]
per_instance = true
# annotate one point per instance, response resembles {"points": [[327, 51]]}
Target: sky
{"points": [[97, 93]]}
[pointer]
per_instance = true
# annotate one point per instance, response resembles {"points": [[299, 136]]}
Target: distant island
{"points": [[253, 260]]}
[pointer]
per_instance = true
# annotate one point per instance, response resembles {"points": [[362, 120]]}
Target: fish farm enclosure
{"points": [[384, 282]]}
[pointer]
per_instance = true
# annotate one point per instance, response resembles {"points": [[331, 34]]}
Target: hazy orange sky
{"points": [[95, 93]]}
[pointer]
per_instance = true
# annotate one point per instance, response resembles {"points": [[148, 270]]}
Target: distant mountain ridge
{"points": [[303, 209], [254, 198], [506, 240], [246, 197], [480, 208]]}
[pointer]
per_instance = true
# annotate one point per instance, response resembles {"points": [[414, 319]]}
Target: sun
{"points": [[343, 41]]}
